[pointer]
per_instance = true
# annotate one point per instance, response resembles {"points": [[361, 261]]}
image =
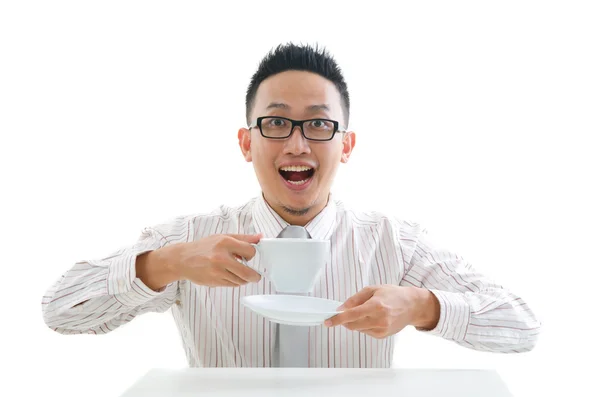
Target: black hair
{"points": [[299, 57]]}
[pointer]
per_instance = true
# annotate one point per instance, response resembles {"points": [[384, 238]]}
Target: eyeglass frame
{"points": [[295, 123]]}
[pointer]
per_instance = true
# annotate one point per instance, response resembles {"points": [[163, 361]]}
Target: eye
{"points": [[275, 122], [319, 124]]}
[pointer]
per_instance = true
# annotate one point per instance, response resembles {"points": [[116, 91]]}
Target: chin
{"points": [[296, 204]]}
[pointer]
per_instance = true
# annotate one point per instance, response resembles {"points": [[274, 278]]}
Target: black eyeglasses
{"points": [[282, 128]]}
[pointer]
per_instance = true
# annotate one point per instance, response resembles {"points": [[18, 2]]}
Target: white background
{"points": [[478, 119]]}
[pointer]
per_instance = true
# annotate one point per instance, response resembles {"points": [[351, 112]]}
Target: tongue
{"points": [[296, 176]]}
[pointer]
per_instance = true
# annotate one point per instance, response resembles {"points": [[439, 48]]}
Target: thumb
{"points": [[358, 299], [248, 238]]}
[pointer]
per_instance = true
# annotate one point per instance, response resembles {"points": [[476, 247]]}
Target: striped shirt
{"points": [[367, 248]]}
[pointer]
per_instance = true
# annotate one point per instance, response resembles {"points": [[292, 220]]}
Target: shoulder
{"points": [[403, 234], [184, 228], [379, 219], [222, 213]]}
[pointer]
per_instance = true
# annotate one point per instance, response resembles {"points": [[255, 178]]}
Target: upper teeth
{"points": [[295, 168]]}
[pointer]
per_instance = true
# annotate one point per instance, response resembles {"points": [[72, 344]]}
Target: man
{"points": [[387, 271]]}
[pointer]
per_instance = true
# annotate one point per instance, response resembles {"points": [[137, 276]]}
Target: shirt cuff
{"points": [[123, 283], [455, 314]]}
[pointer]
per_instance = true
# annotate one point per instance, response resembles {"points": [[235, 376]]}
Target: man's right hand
{"points": [[211, 261]]}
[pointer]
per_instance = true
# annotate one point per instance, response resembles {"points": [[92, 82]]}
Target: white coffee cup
{"points": [[293, 265]]}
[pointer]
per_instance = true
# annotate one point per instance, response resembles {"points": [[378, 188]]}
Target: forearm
{"points": [[500, 321], [494, 320], [474, 311], [99, 295]]}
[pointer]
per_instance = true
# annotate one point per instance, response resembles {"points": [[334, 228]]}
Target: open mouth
{"points": [[297, 174]]}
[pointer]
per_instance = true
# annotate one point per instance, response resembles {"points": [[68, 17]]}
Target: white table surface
{"points": [[313, 382]]}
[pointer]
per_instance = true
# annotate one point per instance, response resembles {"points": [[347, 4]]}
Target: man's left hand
{"points": [[384, 310]]}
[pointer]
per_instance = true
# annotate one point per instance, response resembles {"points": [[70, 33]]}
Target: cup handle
{"points": [[261, 272]]}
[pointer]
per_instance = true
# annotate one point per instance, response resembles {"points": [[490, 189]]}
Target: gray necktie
{"points": [[291, 346], [291, 341]]}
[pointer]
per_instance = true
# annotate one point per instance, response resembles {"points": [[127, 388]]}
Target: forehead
{"points": [[299, 90]]}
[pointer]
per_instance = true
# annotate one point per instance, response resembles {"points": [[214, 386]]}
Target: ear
{"points": [[244, 138], [348, 145]]}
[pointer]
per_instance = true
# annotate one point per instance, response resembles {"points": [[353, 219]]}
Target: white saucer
{"points": [[292, 309]]}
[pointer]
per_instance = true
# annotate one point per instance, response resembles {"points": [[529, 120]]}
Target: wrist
{"points": [[426, 314], [168, 259], [159, 268]]}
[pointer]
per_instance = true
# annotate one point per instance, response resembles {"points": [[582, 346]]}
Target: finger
{"points": [[221, 282], [244, 272], [233, 278], [377, 333], [226, 283], [358, 299], [241, 248], [363, 324], [350, 315], [248, 238]]}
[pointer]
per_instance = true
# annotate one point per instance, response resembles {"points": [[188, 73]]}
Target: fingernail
{"points": [[340, 308], [328, 323]]}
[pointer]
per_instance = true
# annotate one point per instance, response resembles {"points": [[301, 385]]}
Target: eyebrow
{"points": [[277, 105], [311, 108], [316, 108]]}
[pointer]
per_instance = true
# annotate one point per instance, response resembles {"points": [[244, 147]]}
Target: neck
{"points": [[298, 218]]}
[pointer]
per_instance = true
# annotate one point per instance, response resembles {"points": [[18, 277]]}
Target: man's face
{"points": [[281, 164]]}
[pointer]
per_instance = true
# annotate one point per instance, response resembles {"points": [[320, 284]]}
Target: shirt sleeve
{"points": [[98, 296], [476, 312]]}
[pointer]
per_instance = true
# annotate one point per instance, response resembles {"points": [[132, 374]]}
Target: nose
{"points": [[296, 144]]}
